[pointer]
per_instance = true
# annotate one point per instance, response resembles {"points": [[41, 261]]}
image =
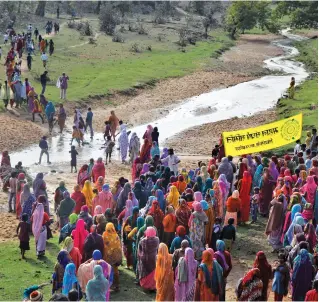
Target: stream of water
{"points": [[240, 100]]}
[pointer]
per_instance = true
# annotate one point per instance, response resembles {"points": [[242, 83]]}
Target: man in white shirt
{"points": [[297, 147], [172, 161], [12, 193]]}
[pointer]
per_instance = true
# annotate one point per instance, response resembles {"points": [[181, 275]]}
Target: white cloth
{"points": [[297, 149], [172, 161]]}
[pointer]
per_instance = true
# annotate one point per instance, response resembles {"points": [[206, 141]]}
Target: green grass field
{"points": [[17, 274], [306, 96], [97, 69]]}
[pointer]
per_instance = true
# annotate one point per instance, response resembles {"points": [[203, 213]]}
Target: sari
{"points": [[196, 225], [27, 199], [99, 183], [136, 168], [114, 123], [39, 229], [112, 246], [183, 214], [173, 197], [266, 189], [123, 196], [73, 251], [20, 184], [123, 143], [98, 170], [86, 271], [301, 276], [93, 242], [209, 280], [88, 194], [97, 288], [244, 187], [105, 198], [309, 189], [59, 268], [164, 275], [83, 175], [79, 234], [147, 251], [185, 277], [145, 154]]}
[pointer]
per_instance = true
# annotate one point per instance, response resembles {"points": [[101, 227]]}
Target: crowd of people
{"points": [[175, 228], [18, 93]]}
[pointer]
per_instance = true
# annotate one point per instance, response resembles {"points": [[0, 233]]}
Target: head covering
{"points": [[150, 232], [73, 218], [69, 278], [128, 209], [198, 196], [68, 244], [235, 194], [97, 287], [295, 209], [63, 258], [173, 197], [204, 205], [97, 255], [181, 231]]}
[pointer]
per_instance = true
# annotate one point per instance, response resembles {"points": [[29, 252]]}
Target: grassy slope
{"points": [[306, 94], [16, 274], [98, 69]]}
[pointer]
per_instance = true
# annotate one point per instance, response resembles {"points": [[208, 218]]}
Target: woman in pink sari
{"points": [[83, 175], [85, 272], [224, 186], [136, 169], [98, 170], [79, 235], [105, 198], [39, 219], [148, 133], [309, 189], [185, 277]]}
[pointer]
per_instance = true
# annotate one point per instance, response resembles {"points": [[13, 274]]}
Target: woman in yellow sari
{"points": [[173, 197], [89, 195], [164, 275], [112, 252]]}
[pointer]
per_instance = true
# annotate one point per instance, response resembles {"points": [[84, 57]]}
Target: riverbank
{"points": [[241, 63]]}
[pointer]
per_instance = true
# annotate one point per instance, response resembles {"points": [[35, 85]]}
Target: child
{"points": [[44, 58], [23, 234], [109, 149], [281, 278], [76, 134], [216, 232], [74, 153], [254, 204], [107, 131], [228, 234]]}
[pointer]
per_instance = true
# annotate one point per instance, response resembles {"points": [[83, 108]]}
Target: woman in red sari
{"points": [[98, 170], [145, 154], [267, 185], [244, 187], [83, 175]]}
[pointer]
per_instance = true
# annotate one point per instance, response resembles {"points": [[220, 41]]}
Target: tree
{"points": [[108, 19], [40, 11], [208, 22], [303, 14], [123, 7], [245, 15]]}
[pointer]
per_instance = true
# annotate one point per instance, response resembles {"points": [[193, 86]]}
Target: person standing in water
{"points": [[114, 123], [44, 149], [89, 121]]}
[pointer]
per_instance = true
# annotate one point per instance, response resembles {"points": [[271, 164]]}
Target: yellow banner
{"points": [[265, 137]]}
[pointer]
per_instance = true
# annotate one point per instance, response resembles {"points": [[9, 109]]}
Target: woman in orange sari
{"points": [[181, 184], [42, 45], [164, 275], [244, 188], [114, 123], [145, 154], [207, 286]]}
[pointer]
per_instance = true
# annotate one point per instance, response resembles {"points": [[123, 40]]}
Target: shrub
{"points": [[86, 29], [161, 37], [122, 29], [183, 36], [136, 48], [131, 27], [141, 30], [108, 20], [92, 41], [117, 37], [149, 47]]}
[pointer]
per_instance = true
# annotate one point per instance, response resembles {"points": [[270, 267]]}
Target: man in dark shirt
{"points": [[228, 234], [89, 122], [43, 79], [44, 149], [29, 61]]}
